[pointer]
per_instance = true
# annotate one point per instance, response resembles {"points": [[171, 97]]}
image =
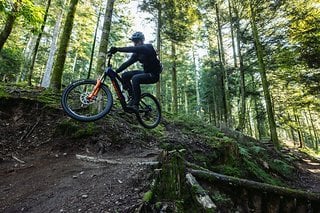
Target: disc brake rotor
{"points": [[84, 99]]}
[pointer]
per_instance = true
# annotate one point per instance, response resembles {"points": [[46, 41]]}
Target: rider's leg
{"points": [[126, 77], [143, 78]]}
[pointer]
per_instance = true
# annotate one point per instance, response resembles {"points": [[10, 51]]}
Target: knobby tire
{"points": [[76, 105], [149, 115]]}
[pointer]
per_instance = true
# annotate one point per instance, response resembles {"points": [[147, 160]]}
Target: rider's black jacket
{"points": [[145, 54]]}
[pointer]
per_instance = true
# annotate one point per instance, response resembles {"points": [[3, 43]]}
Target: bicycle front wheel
{"points": [[76, 104], [149, 115]]}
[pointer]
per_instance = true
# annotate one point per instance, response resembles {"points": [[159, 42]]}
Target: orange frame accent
{"points": [[116, 89], [95, 90]]}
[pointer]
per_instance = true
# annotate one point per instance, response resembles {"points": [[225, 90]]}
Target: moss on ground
{"points": [[74, 129]]}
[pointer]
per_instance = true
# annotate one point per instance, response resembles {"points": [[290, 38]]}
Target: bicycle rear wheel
{"points": [[149, 115], [76, 104]]}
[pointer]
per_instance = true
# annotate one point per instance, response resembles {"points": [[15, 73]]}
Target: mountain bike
{"points": [[90, 100]]}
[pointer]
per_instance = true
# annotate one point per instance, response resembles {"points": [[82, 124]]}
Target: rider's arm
{"points": [[129, 62], [142, 49]]}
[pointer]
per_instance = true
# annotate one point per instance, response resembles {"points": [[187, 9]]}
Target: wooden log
{"points": [[200, 195], [96, 160], [216, 177], [108, 161]]}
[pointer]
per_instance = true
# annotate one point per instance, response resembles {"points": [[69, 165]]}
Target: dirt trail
{"points": [[59, 182], [39, 171], [309, 172]]}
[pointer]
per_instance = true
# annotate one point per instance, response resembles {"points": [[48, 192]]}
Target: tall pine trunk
{"points": [[186, 104], [212, 96], [197, 77], [260, 113], [242, 111], [34, 55], [56, 79], [174, 78], [53, 48], [103, 49], [158, 86], [94, 41], [263, 75], [316, 142], [300, 135], [27, 54], [230, 6], [226, 95]]}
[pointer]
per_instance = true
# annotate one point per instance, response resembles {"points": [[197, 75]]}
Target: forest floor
{"points": [[40, 169]]}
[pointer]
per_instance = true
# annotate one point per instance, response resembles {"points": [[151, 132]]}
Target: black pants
{"points": [[133, 79]]}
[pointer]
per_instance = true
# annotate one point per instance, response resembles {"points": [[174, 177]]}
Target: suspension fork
{"points": [[96, 88]]}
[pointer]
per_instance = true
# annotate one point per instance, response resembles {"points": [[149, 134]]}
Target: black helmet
{"points": [[137, 36]]}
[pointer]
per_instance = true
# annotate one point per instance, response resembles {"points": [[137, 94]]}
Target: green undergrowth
{"points": [[206, 148], [194, 125], [3, 92], [226, 155], [312, 153]]}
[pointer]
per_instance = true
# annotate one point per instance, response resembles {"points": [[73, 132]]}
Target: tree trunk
{"points": [[75, 63], [260, 114], [242, 118], [253, 185], [48, 69], [174, 78], [103, 49], [197, 77], [232, 34], [27, 52], [226, 98], [265, 83], [186, 105], [250, 130], [308, 123], [9, 24], [316, 143], [56, 79], [294, 138], [158, 92], [35, 51], [297, 120], [94, 41], [167, 93]]}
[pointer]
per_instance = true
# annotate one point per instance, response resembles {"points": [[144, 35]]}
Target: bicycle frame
{"points": [[115, 79]]}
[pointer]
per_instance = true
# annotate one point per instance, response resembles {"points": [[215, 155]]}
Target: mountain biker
{"points": [[147, 56]]}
